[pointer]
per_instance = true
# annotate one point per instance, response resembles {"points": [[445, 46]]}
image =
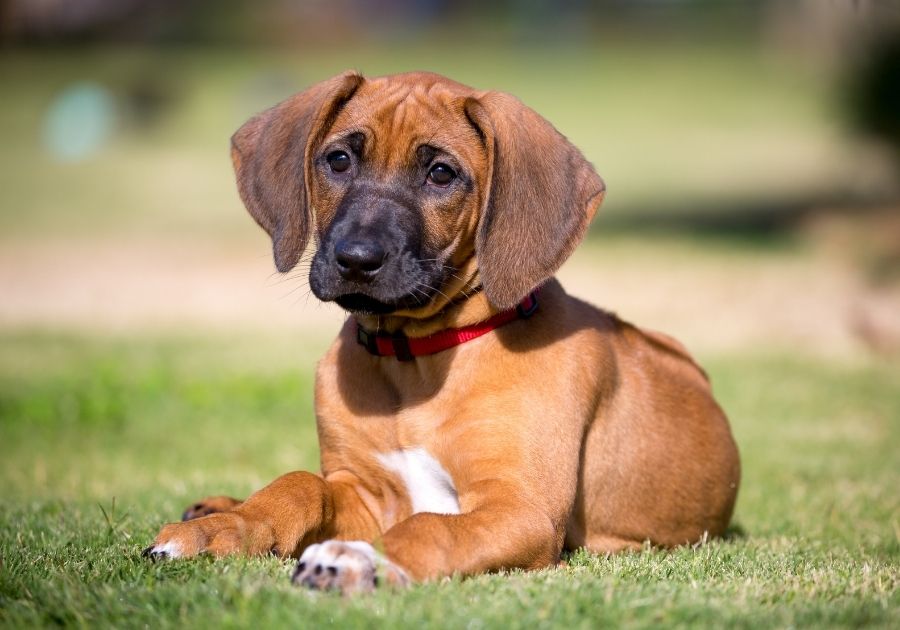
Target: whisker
{"points": [[294, 290]]}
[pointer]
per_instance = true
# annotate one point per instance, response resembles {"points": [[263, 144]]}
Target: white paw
{"points": [[346, 566], [170, 549]]}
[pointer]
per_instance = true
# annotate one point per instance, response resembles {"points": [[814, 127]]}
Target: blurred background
{"points": [[751, 152]]}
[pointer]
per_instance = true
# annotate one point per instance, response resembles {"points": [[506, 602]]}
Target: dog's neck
{"points": [[464, 310]]}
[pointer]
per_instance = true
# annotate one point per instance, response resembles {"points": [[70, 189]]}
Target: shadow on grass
{"points": [[734, 532]]}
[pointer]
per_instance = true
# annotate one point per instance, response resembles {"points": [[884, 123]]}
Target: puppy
{"points": [[472, 416]]}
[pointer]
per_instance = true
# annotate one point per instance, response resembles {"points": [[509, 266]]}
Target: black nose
{"points": [[358, 260]]}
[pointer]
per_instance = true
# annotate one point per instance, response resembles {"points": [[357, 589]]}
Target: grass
{"points": [[104, 439]]}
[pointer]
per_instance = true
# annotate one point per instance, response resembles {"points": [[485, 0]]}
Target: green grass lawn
{"points": [[102, 440]]}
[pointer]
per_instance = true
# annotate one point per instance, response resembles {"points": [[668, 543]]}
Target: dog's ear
{"points": [[541, 196], [271, 156]]}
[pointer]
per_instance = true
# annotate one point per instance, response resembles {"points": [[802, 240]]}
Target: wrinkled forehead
{"points": [[398, 116]]}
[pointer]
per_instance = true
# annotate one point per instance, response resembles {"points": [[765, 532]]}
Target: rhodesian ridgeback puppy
{"points": [[472, 416]]}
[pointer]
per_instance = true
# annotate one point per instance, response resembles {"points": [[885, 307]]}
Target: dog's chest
{"points": [[428, 484]]}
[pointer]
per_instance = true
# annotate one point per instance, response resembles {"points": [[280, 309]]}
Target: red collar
{"points": [[408, 348]]}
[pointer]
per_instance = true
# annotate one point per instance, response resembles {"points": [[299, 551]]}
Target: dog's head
{"points": [[417, 188]]}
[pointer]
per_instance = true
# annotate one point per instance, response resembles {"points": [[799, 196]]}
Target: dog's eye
{"points": [[441, 175], [339, 161]]}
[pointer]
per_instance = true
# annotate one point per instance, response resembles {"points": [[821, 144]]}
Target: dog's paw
{"points": [[175, 541], [216, 534], [207, 506], [347, 566]]}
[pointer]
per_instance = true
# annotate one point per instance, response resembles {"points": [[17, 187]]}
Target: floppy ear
{"points": [[271, 156], [541, 195]]}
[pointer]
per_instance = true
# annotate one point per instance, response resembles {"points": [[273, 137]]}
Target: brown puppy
{"points": [[435, 207]]}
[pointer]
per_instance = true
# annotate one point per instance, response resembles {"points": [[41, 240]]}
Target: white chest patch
{"points": [[429, 486]]}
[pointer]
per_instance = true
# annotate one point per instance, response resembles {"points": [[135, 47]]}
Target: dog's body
{"points": [[436, 207]]}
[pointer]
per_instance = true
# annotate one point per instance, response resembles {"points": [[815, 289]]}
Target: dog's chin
{"points": [[365, 305]]}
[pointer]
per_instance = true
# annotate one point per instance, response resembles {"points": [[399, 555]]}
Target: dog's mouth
{"points": [[364, 304]]}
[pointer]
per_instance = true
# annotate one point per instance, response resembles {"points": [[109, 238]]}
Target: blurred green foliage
{"points": [[697, 127]]}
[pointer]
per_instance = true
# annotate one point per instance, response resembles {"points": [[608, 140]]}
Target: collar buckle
{"points": [[402, 351], [367, 340]]}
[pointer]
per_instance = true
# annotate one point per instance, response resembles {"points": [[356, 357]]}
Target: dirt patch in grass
{"points": [[135, 284], [712, 295]]}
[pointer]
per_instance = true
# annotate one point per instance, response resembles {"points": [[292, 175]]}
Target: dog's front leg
{"points": [[496, 537], [504, 534], [291, 512]]}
